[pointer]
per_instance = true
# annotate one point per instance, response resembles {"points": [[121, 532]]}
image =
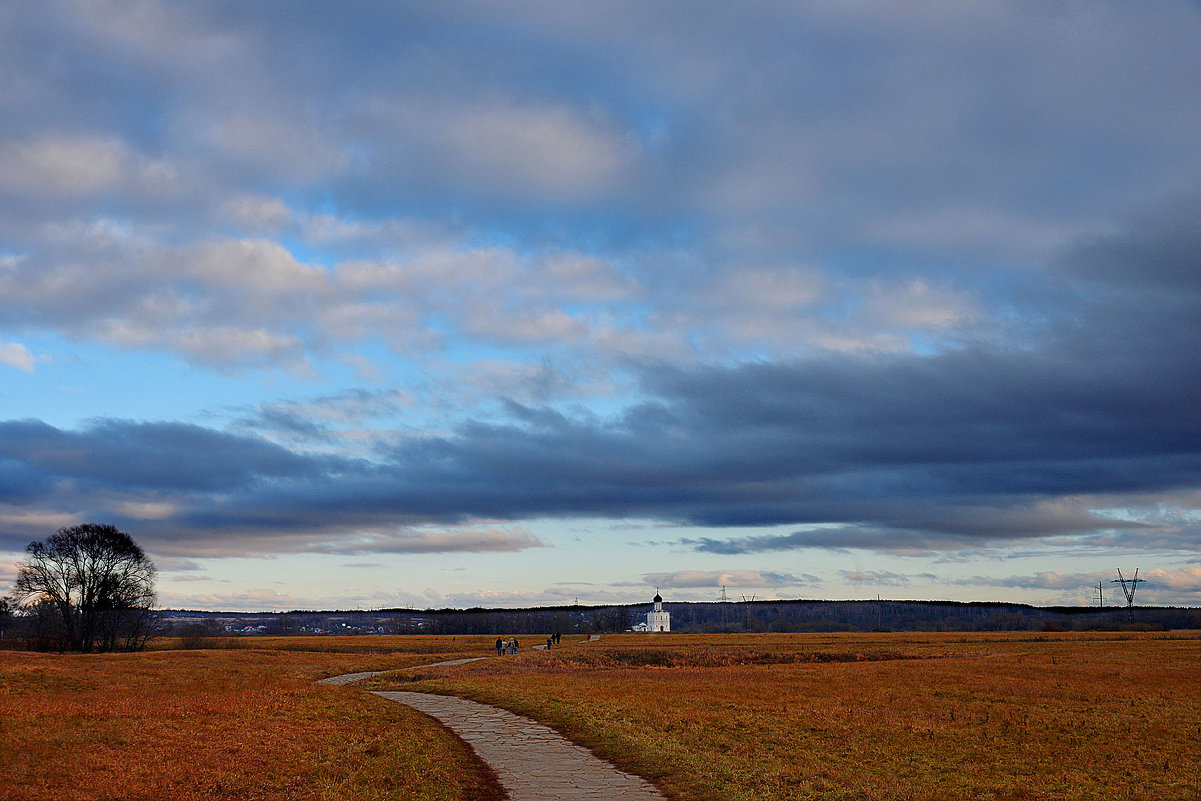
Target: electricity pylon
{"points": [[1128, 588]]}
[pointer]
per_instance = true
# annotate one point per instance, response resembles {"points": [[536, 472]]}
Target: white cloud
{"points": [[885, 578], [146, 510], [769, 304], [467, 539], [256, 600], [32, 518], [1186, 579], [14, 354], [1162, 585], [76, 166], [728, 578], [8, 575], [577, 277], [527, 325], [229, 345], [260, 266], [914, 305], [550, 596]]}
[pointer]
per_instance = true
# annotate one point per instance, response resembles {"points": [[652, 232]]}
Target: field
{"points": [[706, 717], [891, 716], [245, 723]]}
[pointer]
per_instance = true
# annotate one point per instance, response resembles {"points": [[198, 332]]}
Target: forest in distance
{"points": [[689, 617]]}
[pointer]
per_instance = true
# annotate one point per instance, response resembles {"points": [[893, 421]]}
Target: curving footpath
{"points": [[532, 761]]}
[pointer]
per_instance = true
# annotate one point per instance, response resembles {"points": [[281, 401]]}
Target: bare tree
{"points": [[96, 582]]}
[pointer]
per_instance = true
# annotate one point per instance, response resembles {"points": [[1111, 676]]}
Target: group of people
{"points": [[509, 646]]}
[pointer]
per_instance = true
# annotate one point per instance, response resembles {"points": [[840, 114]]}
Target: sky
{"points": [[366, 305]]}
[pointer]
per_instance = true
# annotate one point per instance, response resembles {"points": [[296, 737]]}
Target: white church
{"points": [[658, 619]]}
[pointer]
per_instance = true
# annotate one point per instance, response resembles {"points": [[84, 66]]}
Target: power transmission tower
{"points": [[1128, 588], [1100, 595], [725, 618], [746, 611]]}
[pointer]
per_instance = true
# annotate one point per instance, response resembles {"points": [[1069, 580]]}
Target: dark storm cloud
{"points": [[149, 456], [1156, 252], [907, 453]]}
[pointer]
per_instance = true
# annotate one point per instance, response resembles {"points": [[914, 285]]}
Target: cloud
{"points": [[251, 303], [885, 578], [14, 354], [340, 417], [78, 166], [1187, 578], [551, 150], [865, 279], [961, 228], [904, 453], [8, 575], [249, 600], [145, 456], [1153, 252], [470, 539], [727, 578], [1163, 586], [256, 212], [551, 596], [1047, 580]]}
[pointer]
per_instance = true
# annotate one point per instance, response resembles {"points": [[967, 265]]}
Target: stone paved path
{"points": [[532, 761]]}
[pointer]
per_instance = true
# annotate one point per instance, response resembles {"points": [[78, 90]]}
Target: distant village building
{"points": [[658, 619]]}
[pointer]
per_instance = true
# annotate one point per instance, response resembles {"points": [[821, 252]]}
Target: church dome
{"points": [[658, 598]]}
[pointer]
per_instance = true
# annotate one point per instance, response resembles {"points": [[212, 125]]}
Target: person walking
{"points": [[550, 638], [500, 646]]}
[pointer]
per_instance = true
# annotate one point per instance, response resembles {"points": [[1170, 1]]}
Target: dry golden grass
{"points": [[423, 646], [246, 723], [947, 716]]}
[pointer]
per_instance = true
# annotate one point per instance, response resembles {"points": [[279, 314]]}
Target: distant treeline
{"points": [[754, 616], [22, 631]]}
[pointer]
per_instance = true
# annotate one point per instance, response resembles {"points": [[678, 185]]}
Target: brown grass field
{"points": [[245, 723], [706, 717], [879, 716]]}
